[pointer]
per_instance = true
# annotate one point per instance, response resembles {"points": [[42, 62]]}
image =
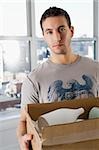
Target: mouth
{"points": [[57, 45]]}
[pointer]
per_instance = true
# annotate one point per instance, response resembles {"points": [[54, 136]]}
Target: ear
{"points": [[72, 31]]}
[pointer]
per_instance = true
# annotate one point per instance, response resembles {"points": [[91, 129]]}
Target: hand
{"points": [[24, 141]]}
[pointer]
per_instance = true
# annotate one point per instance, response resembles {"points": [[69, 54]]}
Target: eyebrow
{"points": [[48, 30]]}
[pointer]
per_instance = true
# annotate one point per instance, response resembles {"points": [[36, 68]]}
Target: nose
{"points": [[57, 36]]}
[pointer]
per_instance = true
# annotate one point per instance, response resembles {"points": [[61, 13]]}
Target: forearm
{"points": [[23, 138], [21, 130]]}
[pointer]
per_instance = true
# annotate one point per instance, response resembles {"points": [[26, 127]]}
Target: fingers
{"points": [[27, 137], [25, 140]]}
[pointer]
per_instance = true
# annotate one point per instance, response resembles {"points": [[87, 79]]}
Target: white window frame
{"points": [[96, 26], [31, 35]]}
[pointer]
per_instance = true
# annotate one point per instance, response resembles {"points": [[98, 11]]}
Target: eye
{"points": [[62, 29], [49, 32]]}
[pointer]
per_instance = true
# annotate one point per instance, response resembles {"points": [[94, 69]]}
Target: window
{"points": [[16, 59], [15, 62], [81, 13], [13, 18], [21, 42], [22, 46]]}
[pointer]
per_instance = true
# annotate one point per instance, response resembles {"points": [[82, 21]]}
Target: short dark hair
{"points": [[54, 11]]}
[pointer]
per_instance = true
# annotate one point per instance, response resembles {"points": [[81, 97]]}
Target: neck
{"points": [[64, 59]]}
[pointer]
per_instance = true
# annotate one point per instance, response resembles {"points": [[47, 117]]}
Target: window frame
{"points": [[31, 36]]}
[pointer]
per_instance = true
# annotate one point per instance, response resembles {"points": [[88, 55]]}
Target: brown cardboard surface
{"points": [[81, 135], [86, 145], [35, 110], [71, 133]]}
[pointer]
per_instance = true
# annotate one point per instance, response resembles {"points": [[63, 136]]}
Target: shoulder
{"points": [[38, 71], [89, 61]]}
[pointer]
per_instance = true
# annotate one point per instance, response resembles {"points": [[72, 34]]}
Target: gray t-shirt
{"points": [[51, 82]]}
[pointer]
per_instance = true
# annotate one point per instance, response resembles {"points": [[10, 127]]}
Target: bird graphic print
{"points": [[74, 89]]}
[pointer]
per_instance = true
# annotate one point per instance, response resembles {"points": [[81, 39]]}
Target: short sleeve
{"points": [[29, 93]]}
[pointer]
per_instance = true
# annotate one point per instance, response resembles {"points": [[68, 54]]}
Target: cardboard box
{"points": [[82, 135]]}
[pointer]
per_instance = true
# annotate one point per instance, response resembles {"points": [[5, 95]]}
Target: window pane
{"points": [[13, 17], [16, 58], [84, 48], [14, 66], [81, 13], [80, 46]]}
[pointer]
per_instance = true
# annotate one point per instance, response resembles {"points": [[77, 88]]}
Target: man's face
{"points": [[57, 34]]}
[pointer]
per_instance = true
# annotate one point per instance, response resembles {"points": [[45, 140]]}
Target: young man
{"points": [[64, 75]]}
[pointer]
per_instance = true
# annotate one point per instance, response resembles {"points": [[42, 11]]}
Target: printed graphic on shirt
{"points": [[72, 90]]}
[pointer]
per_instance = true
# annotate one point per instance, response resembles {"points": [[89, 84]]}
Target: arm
{"points": [[22, 135], [29, 95]]}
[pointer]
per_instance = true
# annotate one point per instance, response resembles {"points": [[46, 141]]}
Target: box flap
{"points": [[35, 110]]}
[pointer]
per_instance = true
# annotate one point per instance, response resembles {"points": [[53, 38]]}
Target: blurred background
{"points": [[22, 47]]}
